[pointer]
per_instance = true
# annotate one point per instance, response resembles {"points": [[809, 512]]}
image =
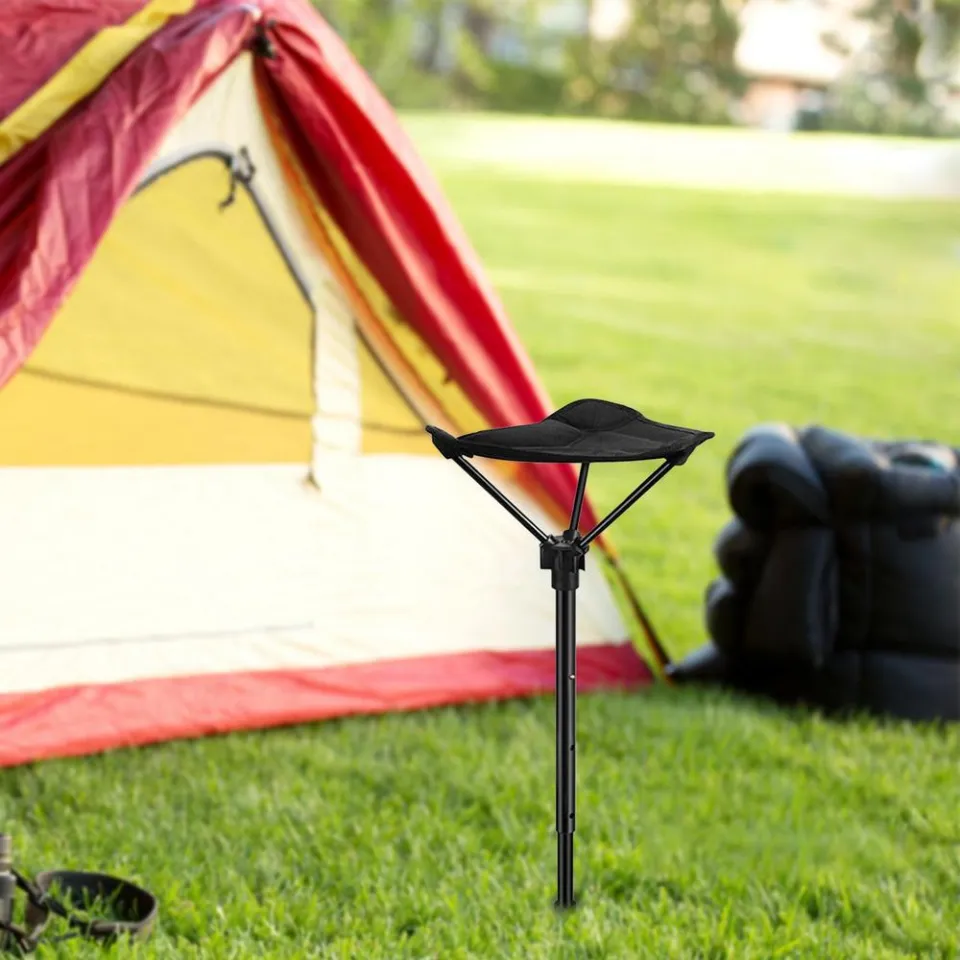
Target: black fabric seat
{"points": [[585, 431]]}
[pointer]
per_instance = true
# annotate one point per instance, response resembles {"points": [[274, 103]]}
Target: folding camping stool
{"points": [[584, 432]]}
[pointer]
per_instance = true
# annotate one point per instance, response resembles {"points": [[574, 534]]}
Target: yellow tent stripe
{"points": [[83, 73]]}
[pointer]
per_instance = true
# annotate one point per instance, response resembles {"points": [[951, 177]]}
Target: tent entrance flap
{"points": [[188, 340]]}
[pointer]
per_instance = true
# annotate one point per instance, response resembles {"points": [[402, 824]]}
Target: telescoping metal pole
{"points": [[566, 742], [566, 561]]}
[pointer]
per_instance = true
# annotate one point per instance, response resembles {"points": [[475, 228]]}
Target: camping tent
{"points": [[231, 297]]}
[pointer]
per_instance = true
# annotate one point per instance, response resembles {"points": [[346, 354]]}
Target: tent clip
{"points": [[241, 171], [262, 45]]}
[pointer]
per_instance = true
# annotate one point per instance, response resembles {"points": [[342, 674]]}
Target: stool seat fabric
{"points": [[585, 431]]}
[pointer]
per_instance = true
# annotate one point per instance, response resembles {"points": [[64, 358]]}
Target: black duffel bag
{"points": [[840, 574]]}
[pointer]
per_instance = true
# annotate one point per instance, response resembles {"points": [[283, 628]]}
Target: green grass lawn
{"points": [[708, 826]]}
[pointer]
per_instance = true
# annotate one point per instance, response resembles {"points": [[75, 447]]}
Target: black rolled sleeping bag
{"points": [[840, 575]]}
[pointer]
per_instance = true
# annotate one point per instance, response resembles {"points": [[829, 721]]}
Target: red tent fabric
{"points": [[59, 193]]}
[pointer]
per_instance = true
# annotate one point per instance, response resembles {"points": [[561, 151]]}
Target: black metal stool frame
{"points": [[564, 556]]}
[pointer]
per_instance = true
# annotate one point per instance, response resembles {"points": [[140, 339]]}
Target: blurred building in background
{"points": [[881, 66], [794, 53]]}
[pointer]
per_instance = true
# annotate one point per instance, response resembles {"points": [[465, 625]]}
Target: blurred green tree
{"points": [[672, 62], [901, 82]]}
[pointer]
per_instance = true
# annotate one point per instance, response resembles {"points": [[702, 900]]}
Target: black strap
{"points": [[137, 907]]}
